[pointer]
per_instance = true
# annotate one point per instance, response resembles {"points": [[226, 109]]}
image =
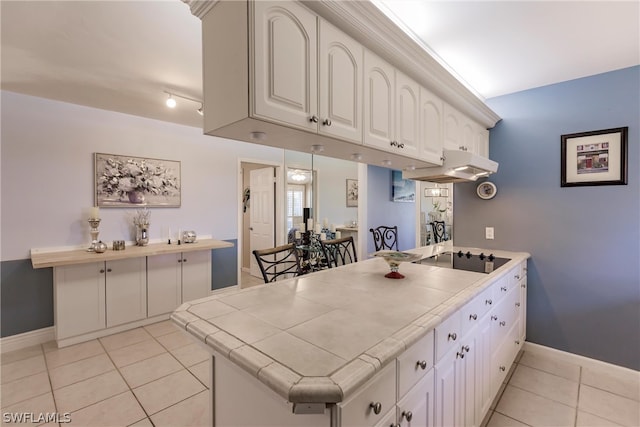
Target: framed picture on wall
{"points": [[594, 158], [126, 181], [402, 190], [352, 193]]}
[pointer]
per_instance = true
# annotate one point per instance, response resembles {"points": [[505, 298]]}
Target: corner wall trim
{"points": [[576, 359], [27, 339]]}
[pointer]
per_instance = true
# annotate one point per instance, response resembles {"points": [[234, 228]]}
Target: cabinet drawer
{"points": [[518, 273], [474, 310], [501, 288], [414, 363], [358, 410], [504, 317], [447, 334], [503, 358]]}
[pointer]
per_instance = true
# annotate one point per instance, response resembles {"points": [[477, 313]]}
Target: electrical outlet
{"points": [[488, 233]]}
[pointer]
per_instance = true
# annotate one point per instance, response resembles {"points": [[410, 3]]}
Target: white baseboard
{"points": [[576, 359], [27, 339]]}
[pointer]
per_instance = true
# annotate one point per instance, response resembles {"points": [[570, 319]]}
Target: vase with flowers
{"points": [[141, 221]]}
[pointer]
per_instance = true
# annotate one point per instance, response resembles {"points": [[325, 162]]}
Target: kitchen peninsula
{"points": [[349, 347]]}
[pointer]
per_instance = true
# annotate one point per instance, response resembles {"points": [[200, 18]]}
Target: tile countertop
{"points": [[317, 338]]}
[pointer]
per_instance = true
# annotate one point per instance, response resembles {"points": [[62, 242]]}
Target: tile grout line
{"points": [[575, 419]]}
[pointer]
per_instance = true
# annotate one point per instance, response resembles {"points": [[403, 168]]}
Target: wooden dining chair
{"points": [[385, 237], [281, 261], [339, 252], [439, 231]]}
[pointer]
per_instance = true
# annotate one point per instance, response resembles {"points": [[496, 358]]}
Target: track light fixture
{"points": [[171, 102]]}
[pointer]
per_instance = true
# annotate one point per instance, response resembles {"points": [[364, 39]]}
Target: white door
{"points": [[262, 222], [340, 84], [164, 290], [431, 136], [196, 275], [126, 290], [286, 87]]}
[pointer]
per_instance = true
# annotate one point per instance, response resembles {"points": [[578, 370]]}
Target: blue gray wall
{"points": [[584, 274], [381, 210]]}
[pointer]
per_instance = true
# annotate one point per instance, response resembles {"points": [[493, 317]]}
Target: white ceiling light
{"points": [[171, 102]]}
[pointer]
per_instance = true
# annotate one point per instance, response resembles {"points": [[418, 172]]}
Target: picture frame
{"points": [[352, 193], [129, 181], [402, 190], [594, 158]]}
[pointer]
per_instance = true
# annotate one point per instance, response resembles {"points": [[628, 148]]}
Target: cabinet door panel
{"points": [[407, 114], [431, 121], [419, 402], [285, 63], [452, 128], [196, 275], [340, 84], [79, 299], [378, 102], [126, 291], [164, 283], [445, 391]]}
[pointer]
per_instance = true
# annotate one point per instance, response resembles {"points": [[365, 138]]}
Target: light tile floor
{"points": [[156, 376]]}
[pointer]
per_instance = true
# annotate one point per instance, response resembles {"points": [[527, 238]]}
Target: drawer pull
{"points": [[102, 270], [503, 288], [422, 364], [503, 323], [377, 407], [109, 270], [473, 317], [394, 425], [326, 122], [494, 317], [517, 304], [523, 286], [488, 302], [184, 260], [179, 260], [453, 336], [313, 119], [502, 368], [517, 342], [408, 415], [460, 355], [517, 276], [466, 348]]}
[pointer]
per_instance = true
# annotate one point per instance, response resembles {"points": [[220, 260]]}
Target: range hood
{"points": [[457, 166]]}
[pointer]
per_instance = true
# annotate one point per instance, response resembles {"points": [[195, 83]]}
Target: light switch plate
{"points": [[488, 233]]}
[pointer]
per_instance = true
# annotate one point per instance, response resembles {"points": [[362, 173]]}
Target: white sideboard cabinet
{"points": [[124, 289]]}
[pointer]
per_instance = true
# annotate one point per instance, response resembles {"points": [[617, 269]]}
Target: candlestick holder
{"points": [[94, 223]]}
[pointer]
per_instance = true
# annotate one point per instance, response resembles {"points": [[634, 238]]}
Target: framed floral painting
{"points": [[126, 181]]}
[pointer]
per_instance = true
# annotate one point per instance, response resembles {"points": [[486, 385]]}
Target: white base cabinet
{"points": [[97, 299]]}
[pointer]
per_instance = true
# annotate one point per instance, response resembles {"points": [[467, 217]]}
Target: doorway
{"points": [[259, 215]]}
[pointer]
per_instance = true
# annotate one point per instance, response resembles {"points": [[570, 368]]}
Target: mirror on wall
{"points": [[325, 195], [436, 213]]}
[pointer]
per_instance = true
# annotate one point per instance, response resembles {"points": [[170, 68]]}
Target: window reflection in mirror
{"points": [[436, 205]]}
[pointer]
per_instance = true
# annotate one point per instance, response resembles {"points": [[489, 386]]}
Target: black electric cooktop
{"points": [[479, 263]]}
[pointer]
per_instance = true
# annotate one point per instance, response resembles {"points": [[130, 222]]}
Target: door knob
{"points": [[377, 407], [327, 122], [313, 119]]}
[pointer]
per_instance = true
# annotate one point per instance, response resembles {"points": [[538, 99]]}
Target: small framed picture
{"points": [[352, 193], [594, 158]]}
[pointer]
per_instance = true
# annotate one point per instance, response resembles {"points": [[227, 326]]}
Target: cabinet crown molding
{"points": [[363, 21]]}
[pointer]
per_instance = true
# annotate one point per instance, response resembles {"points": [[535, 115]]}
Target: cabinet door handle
{"points": [[422, 364], [523, 286], [503, 288], [488, 302], [466, 348], [494, 317], [503, 323], [179, 260], [102, 270], [313, 119], [453, 336], [408, 415], [401, 145], [517, 304], [393, 143], [377, 407], [326, 122], [517, 276], [460, 355], [473, 317], [517, 342], [184, 260], [502, 368]]}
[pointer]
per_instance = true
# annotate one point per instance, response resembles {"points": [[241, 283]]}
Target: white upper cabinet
{"points": [[431, 124], [462, 133], [407, 115], [340, 84], [285, 75], [391, 108], [379, 89]]}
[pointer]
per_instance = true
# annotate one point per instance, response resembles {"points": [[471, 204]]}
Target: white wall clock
{"points": [[486, 190]]}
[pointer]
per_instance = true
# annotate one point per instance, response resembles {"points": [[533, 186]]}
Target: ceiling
{"points": [[123, 55]]}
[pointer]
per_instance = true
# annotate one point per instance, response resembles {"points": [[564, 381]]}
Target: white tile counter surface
{"points": [[318, 337]]}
